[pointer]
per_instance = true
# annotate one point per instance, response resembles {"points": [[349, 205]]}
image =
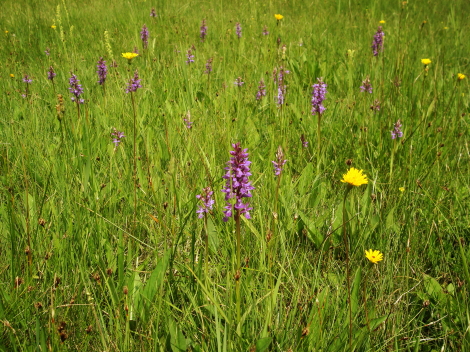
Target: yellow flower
{"points": [[278, 17], [402, 189], [6, 32], [355, 177], [382, 22], [460, 76], [12, 75], [53, 26], [129, 56], [374, 256], [446, 28], [425, 62]]}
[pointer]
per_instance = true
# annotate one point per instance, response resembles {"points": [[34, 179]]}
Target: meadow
{"points": [[218, 191]]}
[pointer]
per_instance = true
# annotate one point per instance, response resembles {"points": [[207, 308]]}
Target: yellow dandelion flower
{"points": [[425, 62], [53, 26], [355, 177], [6, 32], [382, 22], [12, 75], [460, 76], [129, 56], [374, 256], [402, 189], [446, 28], [278, 17]]}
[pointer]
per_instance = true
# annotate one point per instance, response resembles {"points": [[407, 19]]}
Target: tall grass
{"points": [[85, 267]]}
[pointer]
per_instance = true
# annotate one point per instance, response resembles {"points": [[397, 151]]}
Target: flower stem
{"points": [[135, 166], [346, 246]]}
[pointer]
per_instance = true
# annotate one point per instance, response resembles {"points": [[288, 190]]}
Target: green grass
{"points": [[78, 273]]}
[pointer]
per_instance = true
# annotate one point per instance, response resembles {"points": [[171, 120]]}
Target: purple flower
{"points": [[187, 120], [153, 13], [375, 106], [102, 71], [237, 184], [265, 30], [207, 202], [51, 74], [304, 141], [203, 30], [190, 57], [279, 163], [377, 43], [261, 90], [208, 66], [239, 30], [134, 83], [76, 89], [238, 82], [117, 136], [281, 86], [27, 79], [366, 86], [318, 95], [396, 132], [144, 35]]}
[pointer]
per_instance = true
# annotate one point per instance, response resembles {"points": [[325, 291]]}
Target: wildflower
{"points": [[366, 86], [460, 76], [401, 189], [318, 95], [203, 30], [375, 106], [190, 57], [53, 26], [374, 256], [102, 71], [377, 43], [279, 163], [187, 120], [265, 30], [425, 62], [261, 90], [237, 184], [304, 141], [51, 74], [382, 22], [12, 75], [281, 86], [207, 202], [208, 66], [6, 32], [354, 177], [76, 89], [129, 56], [47, 52], [144, 35], [117, 136], [278, 17], [134, 83], [27, 79], [396, 132], [238, 82], [239, 30], [153, 13]]}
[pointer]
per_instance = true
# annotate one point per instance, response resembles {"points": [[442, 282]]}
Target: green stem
{"points": [[346, 246], [238, 271]]}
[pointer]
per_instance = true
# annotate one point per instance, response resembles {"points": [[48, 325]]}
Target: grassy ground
{"points": [[101, 246]]}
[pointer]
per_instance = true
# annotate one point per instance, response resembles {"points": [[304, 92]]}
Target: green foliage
{"points": [[86, 266]]}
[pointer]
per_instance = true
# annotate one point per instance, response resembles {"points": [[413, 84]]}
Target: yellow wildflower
{"points": [[12, 75], [374, 256], [402, 189], [278, 17], [460, 76], [446, 28], [355, 177], [382, 22], [425, 62], [6, 32], [129, 56], [53, 26]]}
